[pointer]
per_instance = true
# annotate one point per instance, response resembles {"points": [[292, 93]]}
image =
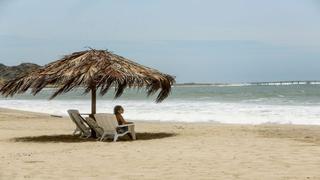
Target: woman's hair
{"points": [[117, 108]]}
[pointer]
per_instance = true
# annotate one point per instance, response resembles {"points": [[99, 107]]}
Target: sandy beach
{"points": [[38, 146]]}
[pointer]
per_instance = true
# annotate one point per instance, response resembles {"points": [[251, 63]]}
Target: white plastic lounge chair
{"points": [[93, 125], [110, 126], [84, 130]]}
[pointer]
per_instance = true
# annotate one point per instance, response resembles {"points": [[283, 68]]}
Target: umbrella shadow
{"points": [[76, 139]]}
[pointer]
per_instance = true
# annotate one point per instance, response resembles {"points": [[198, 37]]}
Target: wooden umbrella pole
{"points": [[93, 107], [93, 100]]}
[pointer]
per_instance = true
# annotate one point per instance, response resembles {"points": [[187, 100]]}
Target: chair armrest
{"points": [[125, 125], [85, 114]]}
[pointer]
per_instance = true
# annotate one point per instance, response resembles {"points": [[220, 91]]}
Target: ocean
{"points": [[236, 104]]}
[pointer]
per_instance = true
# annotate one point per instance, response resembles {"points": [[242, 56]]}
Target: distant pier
{"points": [[273, 83]]}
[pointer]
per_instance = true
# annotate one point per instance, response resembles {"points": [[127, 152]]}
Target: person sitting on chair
{"points": [[118, 110]]}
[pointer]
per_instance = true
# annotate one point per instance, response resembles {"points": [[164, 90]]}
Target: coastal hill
{"points": [[10, 72]]}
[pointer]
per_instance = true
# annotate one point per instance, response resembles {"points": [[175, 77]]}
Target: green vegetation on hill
{"points": [[11, 72]]}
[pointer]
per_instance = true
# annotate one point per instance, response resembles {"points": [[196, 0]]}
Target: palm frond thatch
{"points": [[92, 69]]}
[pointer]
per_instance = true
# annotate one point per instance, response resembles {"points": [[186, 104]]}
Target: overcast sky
{"points": [[195, 40]]}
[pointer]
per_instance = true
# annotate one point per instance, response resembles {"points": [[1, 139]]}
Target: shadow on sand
{"points": [[76, 139]]}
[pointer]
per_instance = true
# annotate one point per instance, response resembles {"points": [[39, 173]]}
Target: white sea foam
{"points": [[298, 104], [182, 111]]}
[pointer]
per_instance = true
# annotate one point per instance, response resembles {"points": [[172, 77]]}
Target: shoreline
{"points": [[174, 121]]}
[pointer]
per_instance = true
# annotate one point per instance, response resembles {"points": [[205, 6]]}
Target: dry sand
{"points": [[37, 146]]}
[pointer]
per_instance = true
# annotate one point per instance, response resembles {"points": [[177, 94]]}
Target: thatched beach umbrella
{"points": [[93, 70]]}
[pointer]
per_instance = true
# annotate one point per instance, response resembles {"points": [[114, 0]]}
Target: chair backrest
{"points": [[107, 122], [78, 120], [94, 125]]}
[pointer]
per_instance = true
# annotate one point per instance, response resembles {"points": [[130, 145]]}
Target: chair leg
{"points": [[115, 138], [87, 136], [133, 134], [75, 131], [103, 136], [82, 135]]}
